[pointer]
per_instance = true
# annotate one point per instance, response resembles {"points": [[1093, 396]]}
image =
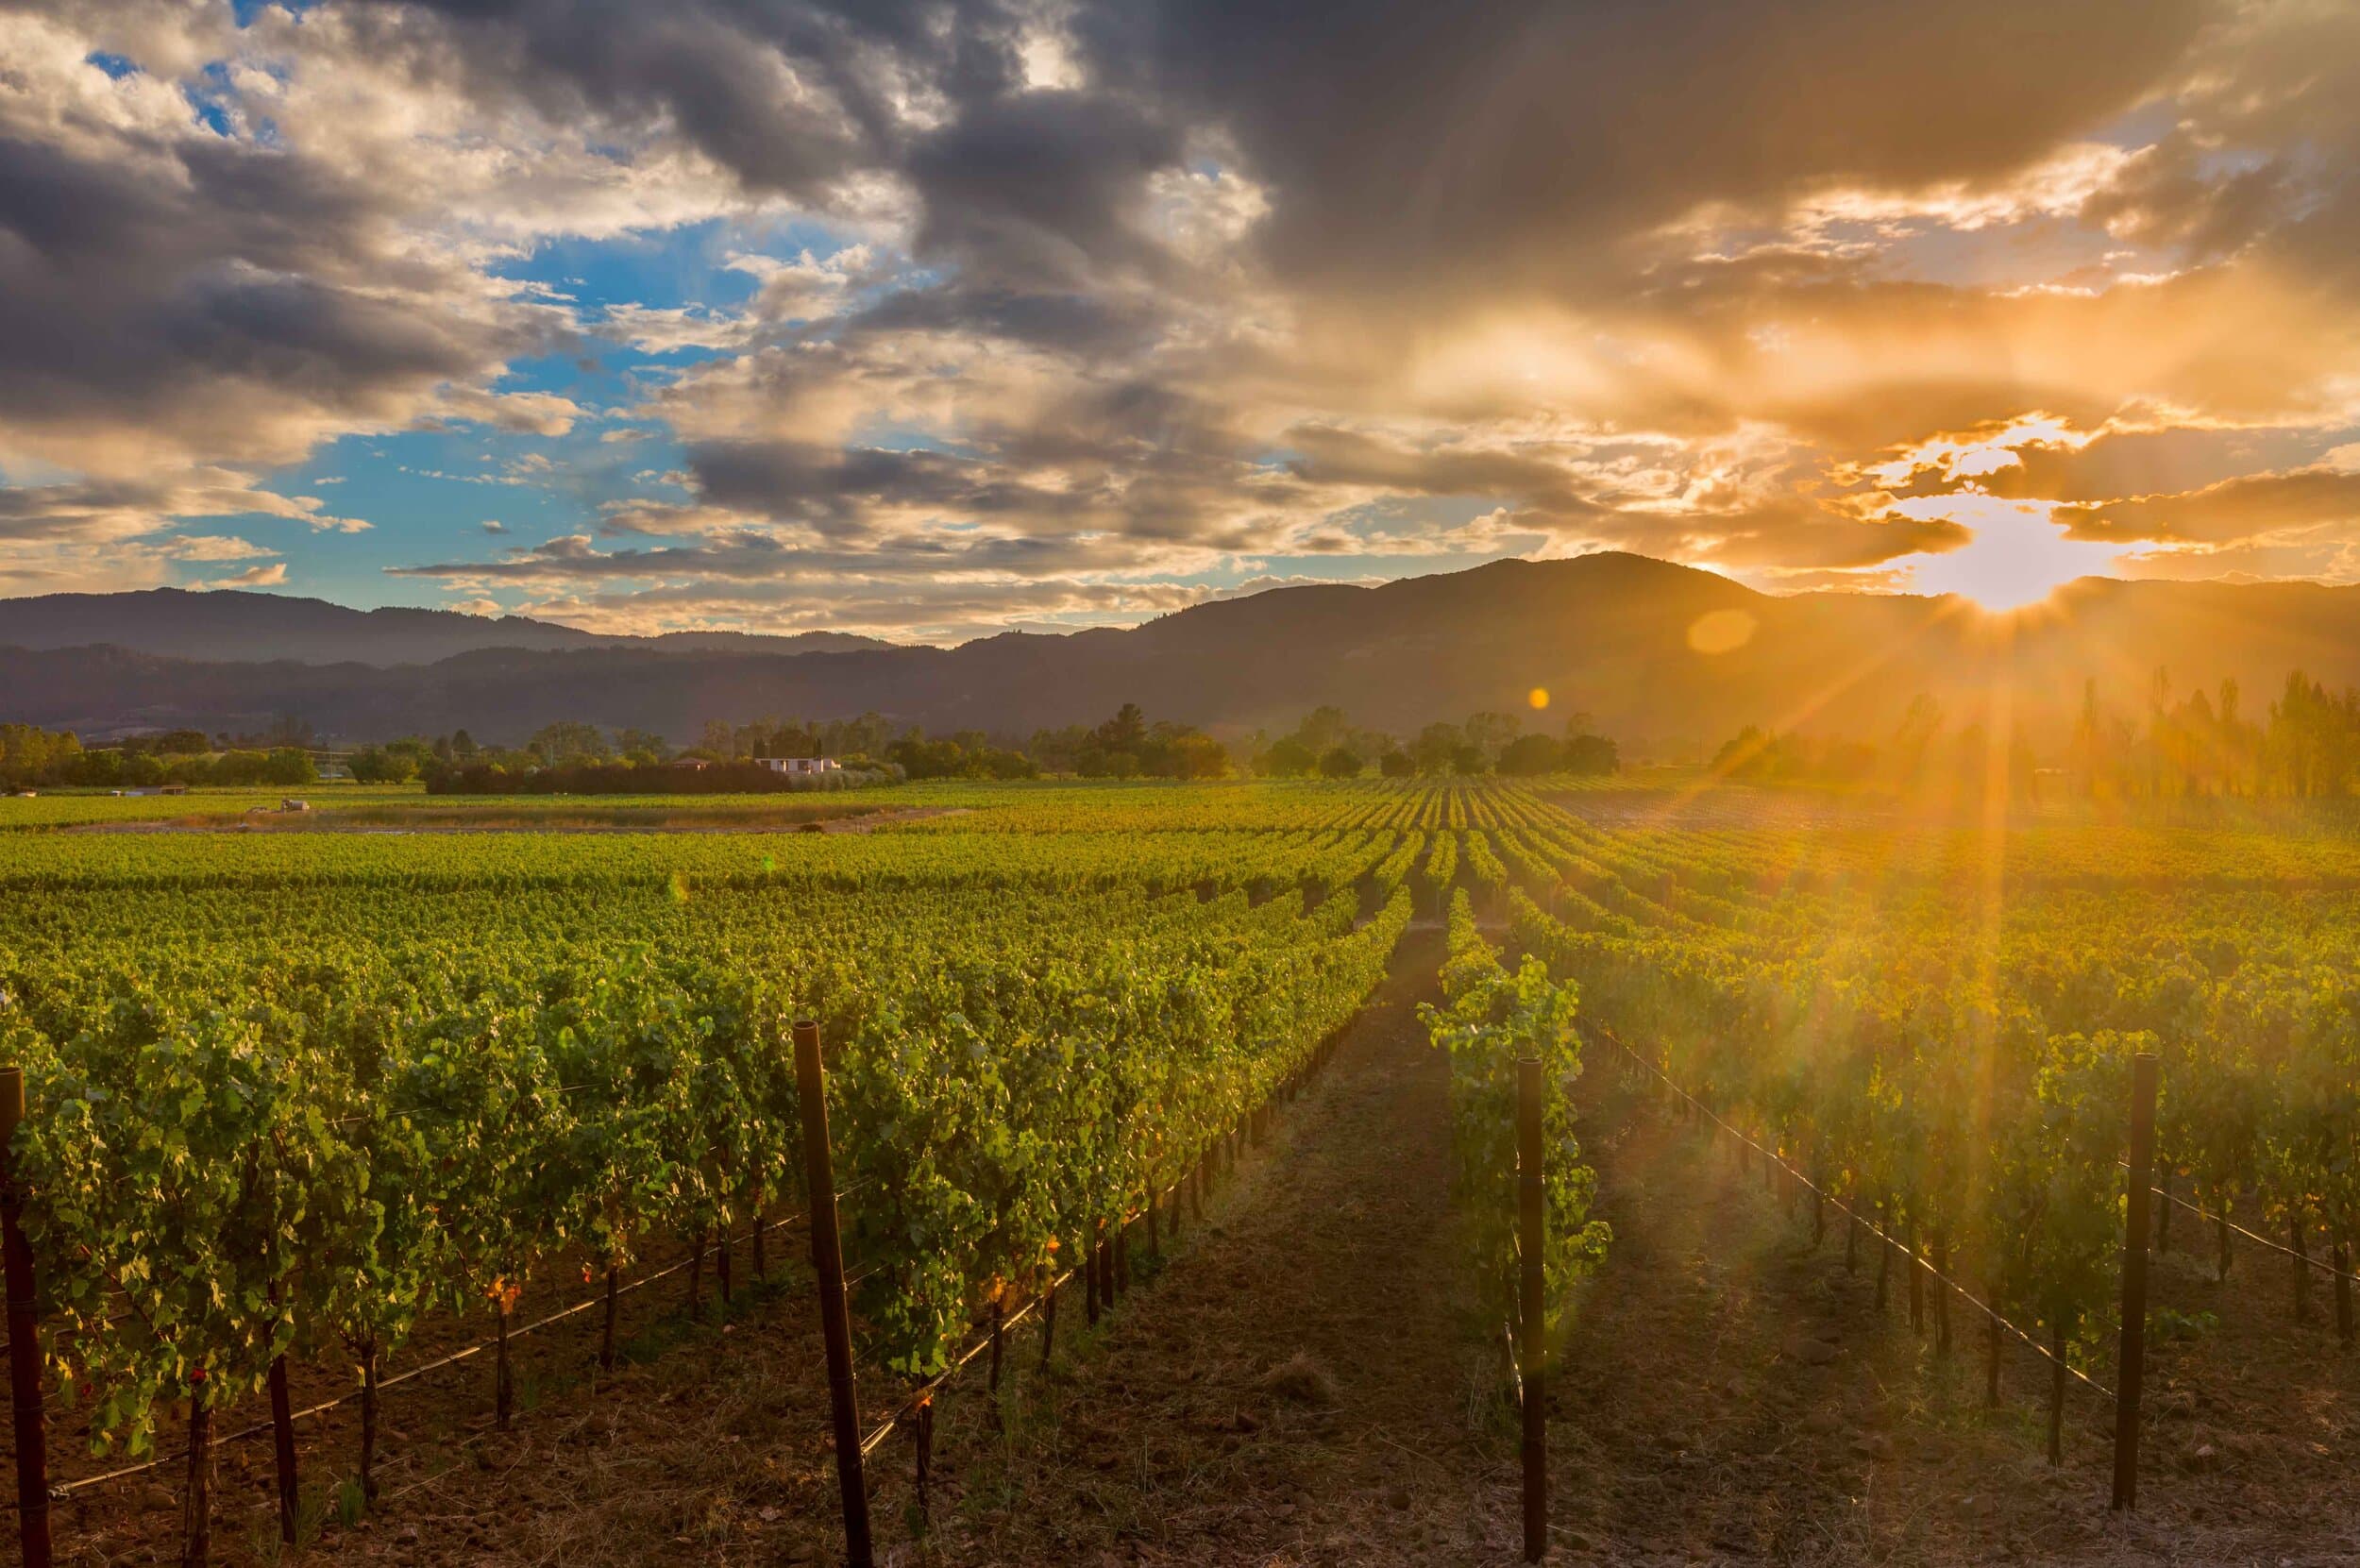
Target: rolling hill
{"points": [[238, 627], [1668, 659]]}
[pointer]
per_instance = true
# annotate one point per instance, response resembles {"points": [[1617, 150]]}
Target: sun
{"points": [[2016, 558]]}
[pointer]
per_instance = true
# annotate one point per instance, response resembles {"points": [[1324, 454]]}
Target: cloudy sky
{"points": [[930, 317]]}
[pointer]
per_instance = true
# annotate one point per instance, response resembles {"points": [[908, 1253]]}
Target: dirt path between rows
{"points": [[1730, 1392], [1300, 1386]]}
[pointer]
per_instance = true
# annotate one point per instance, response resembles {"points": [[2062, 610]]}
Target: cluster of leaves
{"points": [[1490, 1021]]}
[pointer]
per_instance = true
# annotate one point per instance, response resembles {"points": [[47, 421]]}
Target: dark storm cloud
{"points": [[1330, 456], [224, 301], [760, 557], [1065, 320], [712, 70], [2230, 512], [834, 490], [1046, 189], [2147, 463], [1505, 141]]}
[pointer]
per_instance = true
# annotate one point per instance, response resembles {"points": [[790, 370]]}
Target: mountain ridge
{"points": [[238, 626], [1641, 645]]}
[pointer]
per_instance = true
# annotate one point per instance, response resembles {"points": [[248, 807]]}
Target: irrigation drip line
{"points": [[86, 1483], [924, 1393], [2322, 1265], [1867, 1225], [921, 1395]]}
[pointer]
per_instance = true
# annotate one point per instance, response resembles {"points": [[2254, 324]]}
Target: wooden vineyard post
{"points": [[2132, 1345], [1048, 1319], [503, 1379], [2056, 1390], [762, 1262], [196, 1503], [999, 1334], [1941, 1292], [368, 1421], [1532, 1346], [925, 1444], [1884, 1255], [1917, 1275], [32, 1435], [827, 1265], [606, 1332], [1991, 1350], [2342, 1259], [284, 1446], [2300, 1250]]}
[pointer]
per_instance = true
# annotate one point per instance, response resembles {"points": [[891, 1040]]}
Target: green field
{"points": [[302, 1092]]}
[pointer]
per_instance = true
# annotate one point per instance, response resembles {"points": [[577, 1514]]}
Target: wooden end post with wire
{"points": [[1532, 1343], [2132, 1346], [32, 1437], [827, 1264]]}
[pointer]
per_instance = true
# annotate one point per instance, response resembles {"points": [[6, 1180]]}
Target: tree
{"points": [[1527, 755], [1489, 733], [1911, 741], [1287, 759], [1396, 764], [290, 764], [646, 745], [1322, 729], [1435, 747], [566, 742], [1341, 762], [1195, 755], [1125, 732], [382, 764], [1592, 755]]}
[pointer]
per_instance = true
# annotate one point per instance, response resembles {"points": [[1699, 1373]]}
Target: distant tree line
{"points": [[32, 758], [641, 778], [1327, 744], [2304, 745], [573, 756]]}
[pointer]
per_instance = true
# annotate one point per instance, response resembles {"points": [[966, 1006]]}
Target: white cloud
{"points": [[271, 575]]}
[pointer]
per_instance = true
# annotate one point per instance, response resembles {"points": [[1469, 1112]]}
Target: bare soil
{"points": [[1730, 1392], [1301, 1385]]}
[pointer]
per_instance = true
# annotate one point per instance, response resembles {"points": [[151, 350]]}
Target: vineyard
{"points": [[356, 1101], [289, 1094]]}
